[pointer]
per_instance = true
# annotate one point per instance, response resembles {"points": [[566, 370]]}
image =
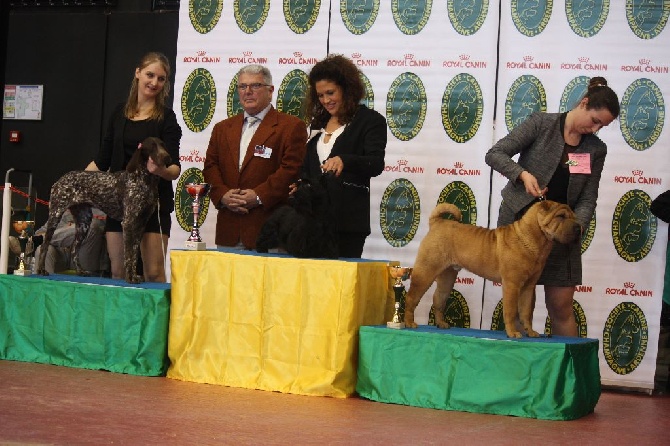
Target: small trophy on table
{"points": [[198, 191], [399, 273], [24, 228]]}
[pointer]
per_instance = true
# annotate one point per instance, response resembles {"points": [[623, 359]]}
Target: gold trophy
{"points": [[24, 228], [197, 191], [399, 273]]}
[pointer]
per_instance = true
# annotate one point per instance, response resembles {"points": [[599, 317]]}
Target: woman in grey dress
{"points": [[560, 159]]}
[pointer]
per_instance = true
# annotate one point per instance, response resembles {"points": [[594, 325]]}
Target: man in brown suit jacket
{"points": [[252, 158]]}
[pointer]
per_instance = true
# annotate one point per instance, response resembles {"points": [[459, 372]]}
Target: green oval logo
{"points": [[204, 14], [358, 16], [198, 100], [233, 105], [525, 97], [301, 16], [399, 212], [410, 16], [183, 202], [587, 19], [633, 226], [647, 19], [406, 106], [456, 313], [587, 236], [497, 319], [573, 93], [460, 195], [467, 16], [580, 318], [292, 92], [642, 114], [462, 108], [625, 338], [531, 18], [369, 97], [250, 15]]}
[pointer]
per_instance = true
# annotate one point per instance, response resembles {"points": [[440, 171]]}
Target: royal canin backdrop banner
{"points": [[547, 55], [451, 78]]}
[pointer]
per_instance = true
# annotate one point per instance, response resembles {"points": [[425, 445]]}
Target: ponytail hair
{"points": [[600, 95]]}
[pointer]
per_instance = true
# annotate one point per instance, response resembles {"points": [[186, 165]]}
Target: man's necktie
{"points": [[249, 130]]}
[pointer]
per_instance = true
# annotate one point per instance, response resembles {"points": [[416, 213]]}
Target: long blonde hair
{"points": [[130, 109]]}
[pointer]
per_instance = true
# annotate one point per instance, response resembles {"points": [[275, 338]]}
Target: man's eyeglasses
{"points": [[254, 87]]}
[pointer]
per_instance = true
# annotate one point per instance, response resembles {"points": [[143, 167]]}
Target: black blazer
{"points": [[361, 146], [660, 207], [113, 157]]}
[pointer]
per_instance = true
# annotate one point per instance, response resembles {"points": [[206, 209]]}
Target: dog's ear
{"points": [[158, 152], [151, 147], [135, 161], [141, 155]]}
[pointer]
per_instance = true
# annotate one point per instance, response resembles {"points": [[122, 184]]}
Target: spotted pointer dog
{"points": [[129, 196]]}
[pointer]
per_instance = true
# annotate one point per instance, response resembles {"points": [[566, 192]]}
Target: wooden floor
{"points": [[46, 404]]}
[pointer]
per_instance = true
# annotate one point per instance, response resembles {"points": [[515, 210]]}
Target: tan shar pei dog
{"points": [[513, 255]]}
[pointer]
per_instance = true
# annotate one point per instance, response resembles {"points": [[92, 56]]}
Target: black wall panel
{"points": [[131, 35], [66, 54], [85, 62]]}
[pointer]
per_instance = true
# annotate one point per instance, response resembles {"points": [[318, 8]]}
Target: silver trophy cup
{"points": [[25, 229], [198, 191]]}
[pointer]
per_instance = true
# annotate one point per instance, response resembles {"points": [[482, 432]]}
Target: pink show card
{"points": [[579, 162]]}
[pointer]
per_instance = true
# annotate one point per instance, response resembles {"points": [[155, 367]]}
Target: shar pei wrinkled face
{"points": [[557, 221]]}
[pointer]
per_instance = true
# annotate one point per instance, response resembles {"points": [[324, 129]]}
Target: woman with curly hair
{"points": [[348, 141]]}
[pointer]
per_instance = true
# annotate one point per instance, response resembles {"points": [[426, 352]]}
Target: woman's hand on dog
{"points": [[168, 173], [531, 185], [292, 188]]}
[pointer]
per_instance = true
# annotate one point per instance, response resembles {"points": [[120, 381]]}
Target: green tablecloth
{"points": [[479, 371], [106, 325]]}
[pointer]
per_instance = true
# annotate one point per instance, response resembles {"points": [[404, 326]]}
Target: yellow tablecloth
{"points": [[272, 322]]}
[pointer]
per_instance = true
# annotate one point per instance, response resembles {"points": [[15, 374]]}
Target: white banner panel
{"points": [[431, 68], [215, 40], [548, 51]]}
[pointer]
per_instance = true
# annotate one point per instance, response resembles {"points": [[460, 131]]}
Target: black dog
{"points": [[129, 196], [304, 227]]}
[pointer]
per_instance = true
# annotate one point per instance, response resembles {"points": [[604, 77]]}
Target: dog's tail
{"points": [[444, 211]]}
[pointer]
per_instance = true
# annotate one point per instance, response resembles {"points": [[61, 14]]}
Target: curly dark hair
{"points": [[342, 71]]}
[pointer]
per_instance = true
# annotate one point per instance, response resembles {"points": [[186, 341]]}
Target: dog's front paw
{"points": [[513, 334], [532, 333], [443, 324], [409, 322]]}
